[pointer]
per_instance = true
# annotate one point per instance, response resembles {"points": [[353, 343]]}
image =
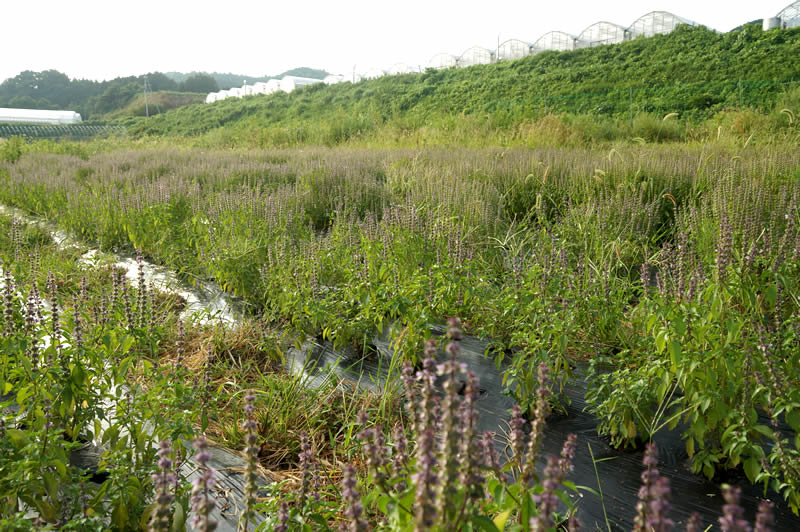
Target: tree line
{"points": [[51, 89]]}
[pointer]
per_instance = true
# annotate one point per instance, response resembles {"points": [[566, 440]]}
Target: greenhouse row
{"points": [[598, 34], [38, 116], [286, 84]]}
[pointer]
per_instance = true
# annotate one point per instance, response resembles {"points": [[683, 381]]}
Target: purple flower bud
{"points": [[308, 467], [489, 453], [162, 482], [517, 436], [283, 518], [547, 501], [412, 394], [375, 449], [352, 500], [426, 480], [449, 443], [538, 423], [202, 502], [400, 458], [694, 523], [765, 518], [653, 496], [732, 519], [250, 427], [180, 343]]}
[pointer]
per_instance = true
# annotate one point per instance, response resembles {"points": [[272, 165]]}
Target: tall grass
{"points": [[550, 252]]}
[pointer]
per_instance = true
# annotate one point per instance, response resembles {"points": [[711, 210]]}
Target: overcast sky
{"points": [[105, 39]]}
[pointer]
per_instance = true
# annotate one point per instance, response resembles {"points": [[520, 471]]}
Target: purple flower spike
{"points": [[352, 500], [425, 479], [654, 494], [202, 502], [732, 519], [537, 424], [765, 518], [517, 436], [547, 501], [162, 481], [308, 467], [250, 427], [283, 518]]}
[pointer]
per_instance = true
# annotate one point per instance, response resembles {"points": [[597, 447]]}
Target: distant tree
{"points": [[199, 83], [28, 102], [305, 72], [157, 81], [117, 95], [45, 87]]}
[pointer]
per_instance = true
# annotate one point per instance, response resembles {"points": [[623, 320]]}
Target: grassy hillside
{"points": [[157, 102], [694, 72]]}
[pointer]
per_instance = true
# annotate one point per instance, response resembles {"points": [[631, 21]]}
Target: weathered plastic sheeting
{"points": [[205, 298], [555, 40], [373, 73], [402, 68], [790, 16], [601, 33], [290, 83], [619, 470], [204, 301], [440, 61], [513, 49], [657, 23], [333, 79], [38, 116], [476, 56], [228, 491]]}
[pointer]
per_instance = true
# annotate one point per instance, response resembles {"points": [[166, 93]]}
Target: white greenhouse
{"points": [[333, 79], [38, 116], [211, 97], [373, 73], [440, 61], [601, 33], [235, 92], [555, 40], [656, 23], [290, 83], [273, 85], [790, 16], [262, 87], [476, 56], [401, 68], [513, 49]]}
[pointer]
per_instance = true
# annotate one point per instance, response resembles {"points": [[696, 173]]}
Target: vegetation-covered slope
{"points": [[693, 71], [51, 89], [156, 102]]}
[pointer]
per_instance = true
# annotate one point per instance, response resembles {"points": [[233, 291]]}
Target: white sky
{"points": [[106, 39]]}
